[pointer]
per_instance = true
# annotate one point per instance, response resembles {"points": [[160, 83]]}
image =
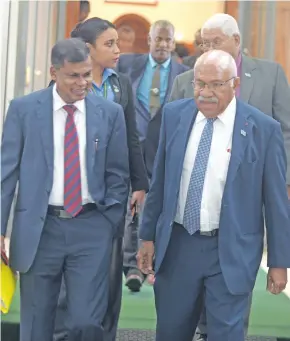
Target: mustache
{"points": [[208, 99]]}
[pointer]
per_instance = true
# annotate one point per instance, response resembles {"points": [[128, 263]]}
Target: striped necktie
{"points": [[191, 219], [72, 170]]}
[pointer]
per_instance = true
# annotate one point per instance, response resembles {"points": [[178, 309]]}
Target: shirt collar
{"points": [[59, 103], [227, 117], [153, 62], [106, 74]]}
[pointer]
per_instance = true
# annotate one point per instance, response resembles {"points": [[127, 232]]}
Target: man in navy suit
{"points": [[219, 174], [152, 76], [67, 151]]}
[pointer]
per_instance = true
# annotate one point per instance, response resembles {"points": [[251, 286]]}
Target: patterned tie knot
{"points": [[211, 120], [70, 109]]}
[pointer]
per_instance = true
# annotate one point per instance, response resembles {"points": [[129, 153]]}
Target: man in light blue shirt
{"points": [[143, 91], [152, 76]]}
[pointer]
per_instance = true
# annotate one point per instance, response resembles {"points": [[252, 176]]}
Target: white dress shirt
{"points": [[217, 168], [59, 118]]}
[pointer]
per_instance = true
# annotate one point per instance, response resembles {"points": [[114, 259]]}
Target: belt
{"points": [[208, 233], [60, 212]]}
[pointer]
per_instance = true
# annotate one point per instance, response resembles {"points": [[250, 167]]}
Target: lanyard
{"points": [[105, 90]]}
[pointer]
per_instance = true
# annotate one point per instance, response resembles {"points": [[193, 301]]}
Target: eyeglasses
{"points": [[200, 85], [216, 44]]}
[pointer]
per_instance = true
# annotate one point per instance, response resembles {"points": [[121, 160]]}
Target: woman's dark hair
{"points": [[90, 30]]}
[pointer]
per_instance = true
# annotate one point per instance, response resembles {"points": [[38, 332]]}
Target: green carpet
{"points": [[270, 314]]}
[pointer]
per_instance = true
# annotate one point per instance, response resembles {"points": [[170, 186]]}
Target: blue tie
{"points": [[191, 219]]}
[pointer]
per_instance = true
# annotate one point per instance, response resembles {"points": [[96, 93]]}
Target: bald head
{"points": [[215, 81], [221, 32], [221, 60]]}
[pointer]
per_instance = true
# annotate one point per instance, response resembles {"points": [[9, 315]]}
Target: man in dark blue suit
{"points": [[152, 76], [67, 150], [219, 174]]}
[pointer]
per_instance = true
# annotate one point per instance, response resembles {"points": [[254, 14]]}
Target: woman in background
{"points": [[102, 39]]}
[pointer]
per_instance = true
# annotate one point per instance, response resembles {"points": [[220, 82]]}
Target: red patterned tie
{"points": [[72, 170]]}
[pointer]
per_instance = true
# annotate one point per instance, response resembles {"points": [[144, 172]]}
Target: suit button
{"points": [[41, 218]]}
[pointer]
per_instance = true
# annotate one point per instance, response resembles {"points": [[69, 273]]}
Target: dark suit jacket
{"points": [[255, 188], [123, 95], [263, 85], [27, 159], [189, 61], [134, 65]]}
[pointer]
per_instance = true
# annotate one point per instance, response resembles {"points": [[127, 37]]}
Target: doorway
{"points": [[134, 31]]}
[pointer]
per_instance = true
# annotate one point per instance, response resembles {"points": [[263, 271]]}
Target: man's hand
{"points": [[138, 198], [276, 280], [145, 257]]}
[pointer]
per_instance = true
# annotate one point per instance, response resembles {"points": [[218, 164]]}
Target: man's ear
{"points": [[149, 39], [236, 82], [53, 73], [237, 39]]}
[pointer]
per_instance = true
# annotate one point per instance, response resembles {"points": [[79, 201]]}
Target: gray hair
{"points": [[72, 50], [221, 59], [161, 24], [225, 22]]}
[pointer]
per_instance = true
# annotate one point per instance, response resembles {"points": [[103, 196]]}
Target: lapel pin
{"points": [[243, 132], [248, 75], [115, 88]]}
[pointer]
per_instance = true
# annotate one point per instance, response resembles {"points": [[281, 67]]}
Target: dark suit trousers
{"points": [[110, 322], [78, 249], [202, 327], [115, 291], [190, 271]]}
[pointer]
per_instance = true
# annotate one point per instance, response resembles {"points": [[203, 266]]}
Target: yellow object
{"points": [[8, 286]]}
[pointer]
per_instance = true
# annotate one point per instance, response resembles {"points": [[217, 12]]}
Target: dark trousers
{"points": [[189, 272], [79, 250], [111, 318], [115, 291], [202, 327]]}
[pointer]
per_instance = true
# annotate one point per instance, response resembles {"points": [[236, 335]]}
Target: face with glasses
{"points": [[214, 88], [215, 39]]}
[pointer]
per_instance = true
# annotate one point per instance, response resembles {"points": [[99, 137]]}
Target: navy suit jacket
{"points": [[134, 65], [27, 158], [256, 183]]}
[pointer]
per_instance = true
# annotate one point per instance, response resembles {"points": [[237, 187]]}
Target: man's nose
{"points": [[205, 92], [163, 43], [81, 81]]}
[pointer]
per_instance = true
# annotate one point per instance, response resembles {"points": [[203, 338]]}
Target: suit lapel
{"points": [[138, 70], [187, 118], [45, 117], [93, 126], [247, 78], [241, 136]]}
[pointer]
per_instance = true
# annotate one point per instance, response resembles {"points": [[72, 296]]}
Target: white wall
{"points": [[186, 15]]}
